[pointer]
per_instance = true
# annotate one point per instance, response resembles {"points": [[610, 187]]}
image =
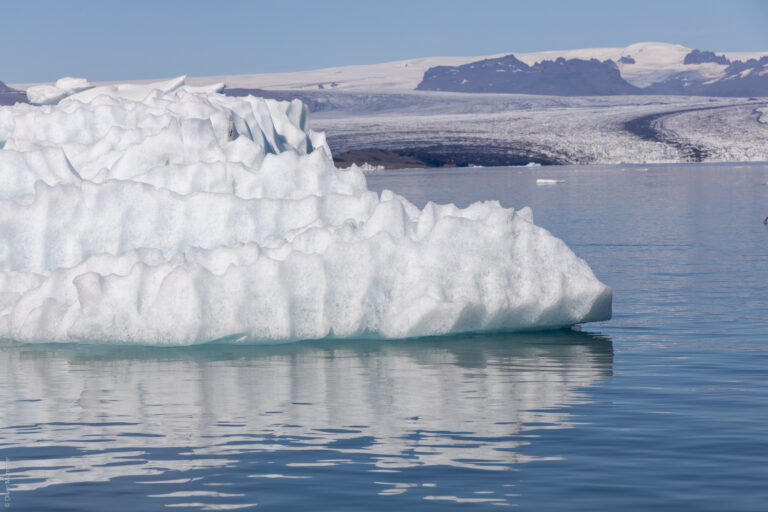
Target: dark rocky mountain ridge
{"points": [[699, 57], [561, 77], [739, 79], [579, 77]]}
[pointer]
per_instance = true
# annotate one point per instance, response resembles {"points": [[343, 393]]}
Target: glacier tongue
{"points": [[164, 214]]}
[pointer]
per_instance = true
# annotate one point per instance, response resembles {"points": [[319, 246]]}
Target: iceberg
{"points": [[164, 214], [52, 94]]}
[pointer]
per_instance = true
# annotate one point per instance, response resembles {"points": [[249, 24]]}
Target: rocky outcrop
{"points": [[561, 77], [699, 57], [580, 77]]}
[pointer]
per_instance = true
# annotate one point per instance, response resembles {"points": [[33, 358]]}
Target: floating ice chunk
{"points": [[162, 214], [547, 181], [81, 90], [136, 92], [202, 89], [73, 85], [365, 167], [51, 94], [45, 94]]}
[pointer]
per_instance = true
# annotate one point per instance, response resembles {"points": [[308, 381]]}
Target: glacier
{"points": [[165, 214]]}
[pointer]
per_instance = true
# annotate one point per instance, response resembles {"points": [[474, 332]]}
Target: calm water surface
{"points": [[665, 407]]}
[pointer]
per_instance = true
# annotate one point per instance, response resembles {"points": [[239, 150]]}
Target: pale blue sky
{"points": [[110, 40]]}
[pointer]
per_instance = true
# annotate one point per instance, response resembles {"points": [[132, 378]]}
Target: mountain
{"points": [[738, 78], [642, 68], [640, 65], [561, 77], [701, 73]]}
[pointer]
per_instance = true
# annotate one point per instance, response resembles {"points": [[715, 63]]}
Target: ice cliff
{"points": [[165, 214]]}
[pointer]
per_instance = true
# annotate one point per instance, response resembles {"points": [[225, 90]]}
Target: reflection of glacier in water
{"points": [[96, 414]]}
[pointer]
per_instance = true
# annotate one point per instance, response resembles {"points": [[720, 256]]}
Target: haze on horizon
{"points": [[143, 39]]}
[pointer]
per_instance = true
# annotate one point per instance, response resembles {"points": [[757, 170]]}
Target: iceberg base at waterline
{"points": [[175, 216]]}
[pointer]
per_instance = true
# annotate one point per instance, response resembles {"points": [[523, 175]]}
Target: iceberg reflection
{"points": [[171, 417]]}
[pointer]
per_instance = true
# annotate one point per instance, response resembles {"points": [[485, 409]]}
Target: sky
{"points": [[109, 40]]}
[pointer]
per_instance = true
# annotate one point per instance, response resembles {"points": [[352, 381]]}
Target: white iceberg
{"points": [[169, 215], [365, 167], [51, 94]]}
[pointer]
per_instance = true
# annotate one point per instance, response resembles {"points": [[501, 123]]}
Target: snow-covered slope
{"points": [[186, 216], [396, 76], [653, 62], [640, 64]]}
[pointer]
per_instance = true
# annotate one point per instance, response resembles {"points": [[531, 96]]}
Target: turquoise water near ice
{"points": [[664, 407]]}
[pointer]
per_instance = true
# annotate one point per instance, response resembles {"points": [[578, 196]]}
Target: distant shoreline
{"points": [[437, 156]]}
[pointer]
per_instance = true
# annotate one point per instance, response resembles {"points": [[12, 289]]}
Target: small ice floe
{"points": [[365, 167], [545, 181], [532, 164]]}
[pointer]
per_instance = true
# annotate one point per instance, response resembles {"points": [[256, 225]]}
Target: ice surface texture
{"points": [[172, 215]]}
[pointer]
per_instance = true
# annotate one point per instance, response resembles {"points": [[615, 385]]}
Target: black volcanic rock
{"points": [[627, 60], [697, 57], [561, 77]]}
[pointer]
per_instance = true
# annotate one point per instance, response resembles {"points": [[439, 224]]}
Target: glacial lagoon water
{"points": [[664, 407]]}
